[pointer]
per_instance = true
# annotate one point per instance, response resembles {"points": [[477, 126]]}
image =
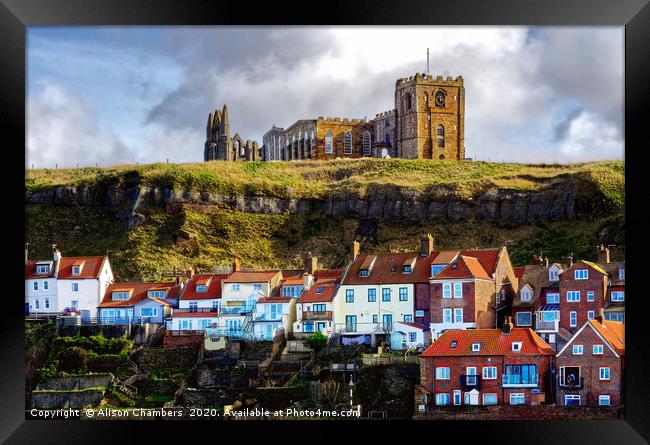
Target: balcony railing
{"points": [[129, 320], [470, 381], [520, 381], [363, 328], [565, 383], [265, 317], [236, 310], [226, 332], [317, 315], [551, 326], [186, 310]]}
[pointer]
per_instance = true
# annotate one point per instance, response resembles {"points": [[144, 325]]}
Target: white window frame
{"points": [[573, 296], [419, 313], [573, 319], [76, 270], [329, 143], [476, 347], [348, 142], [602, 397], [257, 287], [579, 275], [440, 397], [42, 268], [447, 313], [47, 303], [446, 290], [75, 287], [37, 303], [516, 346], [618, 299], [46, 285], [35, 285], [590, 315], [607, 370], [120, 296], [525, 312], [572, 397], [556, 298], [489, 372], [236, 287], [458, 290], [458, 393], [590, 295], [154, 311], [577, 349], [517, 395], [443, 373], [496, 399], [598, 349], [457, 311]]}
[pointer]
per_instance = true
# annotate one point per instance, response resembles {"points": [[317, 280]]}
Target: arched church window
{"points": [[440, 99], [387, 138], [347, 143], [329, 147], [440, 135], [367, 151]]}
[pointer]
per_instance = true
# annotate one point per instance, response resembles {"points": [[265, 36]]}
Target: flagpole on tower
{"points": [[427, 61]]}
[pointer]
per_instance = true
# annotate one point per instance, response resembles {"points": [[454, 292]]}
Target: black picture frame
{"points": [[634, 15]]}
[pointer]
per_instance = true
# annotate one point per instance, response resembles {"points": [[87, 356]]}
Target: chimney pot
{"points": [[426, 245], [603, 254], [545, 261], [569, 261], [355, 249], [236, 264]]}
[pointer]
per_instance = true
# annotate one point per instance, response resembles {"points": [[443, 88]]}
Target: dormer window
{"points": [[435, 268], [159, 293], [76, 270], [201, 288], [364, 272], [319, 290], [526, 294], [554, 273], [516, 346], [42, 268], [453, 345], [476, 347], [393, 268], [406, 268], [121, 295]]}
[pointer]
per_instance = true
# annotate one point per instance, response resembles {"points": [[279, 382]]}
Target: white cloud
{"points": [[63, 129], [589, 135]]}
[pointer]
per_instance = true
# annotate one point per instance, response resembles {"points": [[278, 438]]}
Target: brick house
{"points": [[487, 367], [590, 366], [474, 291]]}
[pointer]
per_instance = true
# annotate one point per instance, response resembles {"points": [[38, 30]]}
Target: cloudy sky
{"points": [[115, 95]]}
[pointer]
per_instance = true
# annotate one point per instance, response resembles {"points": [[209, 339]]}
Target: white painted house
{"points": [[376, 291], [198, 306], [409, 336], [81, 282], [315, 307]]}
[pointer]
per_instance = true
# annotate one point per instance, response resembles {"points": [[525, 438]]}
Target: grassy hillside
{"points": [[280, 240], [314, 179]]}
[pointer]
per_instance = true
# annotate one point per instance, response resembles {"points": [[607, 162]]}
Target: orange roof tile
{"points": [[327, 284], [487, 257], [463, 267], [493, 342], [387, 268], [613, 332], [246, 276], [30, 270], [213, 290], [91, 267], [138, 291]]}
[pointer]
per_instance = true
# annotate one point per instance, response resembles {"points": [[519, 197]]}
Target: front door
{"points": [[388, 321], [473, 397]]}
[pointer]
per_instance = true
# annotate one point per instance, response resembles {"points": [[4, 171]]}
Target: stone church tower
{"points": [[218, 144], [430, 115]]}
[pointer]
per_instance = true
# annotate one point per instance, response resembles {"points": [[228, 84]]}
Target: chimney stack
{"points": [[546, 262], [308, 280], [569, 261], [56, 253], [190, 272], [426, 245], [507, 325], [311, 263], [355, 249], [603, 254], [601, 315], [236, 264]]}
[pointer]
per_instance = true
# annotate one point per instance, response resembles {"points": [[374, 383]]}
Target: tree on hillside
{"points": [[317, 342]]}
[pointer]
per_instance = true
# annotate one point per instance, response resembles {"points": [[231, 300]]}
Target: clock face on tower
{"points": [[440, 99]]}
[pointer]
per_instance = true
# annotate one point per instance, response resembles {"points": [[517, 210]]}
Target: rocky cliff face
{"points": [[495, 204]]}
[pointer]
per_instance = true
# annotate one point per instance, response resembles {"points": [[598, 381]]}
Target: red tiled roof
{"points": [[466, 267], [381, 272], [292, 281], [30, 270], [414, 325], [519, 271], [138, 292], [251, 276], [328, 280], [213, 291], [487, 257], [194, 314], [613, 332], [274, 299], [445, 257], [91, 267], [493, 342]]}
